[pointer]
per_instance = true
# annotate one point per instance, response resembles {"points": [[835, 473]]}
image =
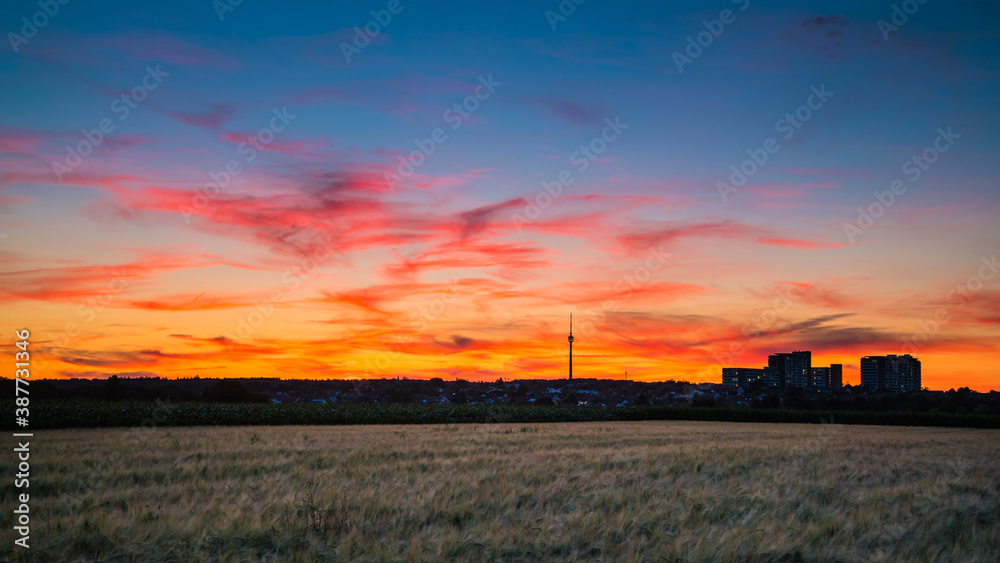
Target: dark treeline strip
{"points": [[50, 414]]}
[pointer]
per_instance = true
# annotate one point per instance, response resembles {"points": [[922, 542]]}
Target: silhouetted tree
{"points": [[794, 399], [696, 402], [114, 389], [768, 402], [231, 391]]}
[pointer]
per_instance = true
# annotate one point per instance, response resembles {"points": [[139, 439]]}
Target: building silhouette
{"points": [[891, 373], [788, 369], [743, 377], [832, 377], [793, 369]]}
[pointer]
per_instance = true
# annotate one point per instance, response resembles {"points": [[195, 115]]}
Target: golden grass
{"points": [[640, 491]]}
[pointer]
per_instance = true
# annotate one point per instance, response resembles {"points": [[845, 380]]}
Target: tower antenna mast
{"points": [[571, 346]]}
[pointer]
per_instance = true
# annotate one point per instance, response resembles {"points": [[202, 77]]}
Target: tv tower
{"points": [[571, 346]]}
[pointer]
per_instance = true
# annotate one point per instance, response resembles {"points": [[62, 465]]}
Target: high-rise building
{"points": [[873, 372], [793, 369], [820, 377], [836, 380], [891, 372], [831, 377], [741, 377], [772, 377]]}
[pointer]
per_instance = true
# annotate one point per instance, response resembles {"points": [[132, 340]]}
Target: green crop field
{"points": [[607, 491], [52, 414]]}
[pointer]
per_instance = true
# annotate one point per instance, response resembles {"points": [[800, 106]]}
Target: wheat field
{"points": [[637, 491]]}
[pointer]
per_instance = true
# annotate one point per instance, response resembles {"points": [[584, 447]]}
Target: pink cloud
{"points": [[20, 141], [16, 199], [800, 243], [507, 260], [77, 283]]}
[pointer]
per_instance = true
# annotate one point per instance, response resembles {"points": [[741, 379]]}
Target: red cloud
{"points": [[196, 302], [77, 283], [618, 291], [818, 295], [507, 259]]}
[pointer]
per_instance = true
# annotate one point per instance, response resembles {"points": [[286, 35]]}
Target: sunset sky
{"points": [[385, 209]]}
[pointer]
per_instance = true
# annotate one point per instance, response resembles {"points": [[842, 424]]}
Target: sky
{"points": [[430, 189]]}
